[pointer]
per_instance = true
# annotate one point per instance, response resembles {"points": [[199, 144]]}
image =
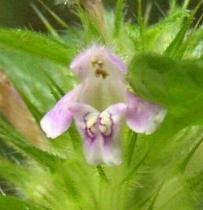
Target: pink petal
{"points": [[93, 152], [143, 116], [58, 119], [82, 64], [111, 151], [118, 62]]}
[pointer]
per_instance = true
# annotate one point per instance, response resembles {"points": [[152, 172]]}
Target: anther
{"points": [[101, 72], [93, 62], [100, 63]]}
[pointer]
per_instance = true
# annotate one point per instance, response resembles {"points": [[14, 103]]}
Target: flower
{"points": [[99, 104]]}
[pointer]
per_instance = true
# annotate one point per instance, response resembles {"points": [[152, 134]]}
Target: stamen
{"points": [[101, 72], [100, 63], [98, 67], [94, 62]]}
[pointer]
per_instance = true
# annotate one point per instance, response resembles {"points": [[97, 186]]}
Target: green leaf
{"points": [[120, 4], [54, 15], [11, 203], [176, 48], [176, 85], [53, 86], [42, 157], [13, 173], [35, 44], [46, 23]]}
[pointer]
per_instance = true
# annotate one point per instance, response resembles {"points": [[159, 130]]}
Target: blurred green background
{"points": [[15, 13]]}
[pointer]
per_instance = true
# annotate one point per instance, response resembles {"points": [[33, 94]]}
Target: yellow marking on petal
{"points": [[93, 129], [91, 120], [94, 62], [100, 63], [115, 118], [105, 123], [105, 119], [104, 129]]}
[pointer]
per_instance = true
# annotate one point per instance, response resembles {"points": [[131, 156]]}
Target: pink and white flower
{"points": [[99, 104]]}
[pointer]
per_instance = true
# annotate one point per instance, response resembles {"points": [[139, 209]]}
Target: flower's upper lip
{"points": [[97, 55]]}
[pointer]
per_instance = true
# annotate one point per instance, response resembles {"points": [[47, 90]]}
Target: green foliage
{"points": [[177, 85], [8, 203], [36, 44], [162, 171]]}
